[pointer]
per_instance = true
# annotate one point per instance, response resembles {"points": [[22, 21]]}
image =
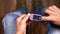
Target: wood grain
{"points": [[7, 6]]}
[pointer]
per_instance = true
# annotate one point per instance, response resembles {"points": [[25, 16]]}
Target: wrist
{"points": [[57, 23], [54, 25], [19, 32]]}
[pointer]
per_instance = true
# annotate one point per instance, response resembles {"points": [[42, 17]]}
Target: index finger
{"points": [[46, 18]]}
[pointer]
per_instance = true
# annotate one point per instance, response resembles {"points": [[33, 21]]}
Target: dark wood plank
{"points": [[6, 6]]}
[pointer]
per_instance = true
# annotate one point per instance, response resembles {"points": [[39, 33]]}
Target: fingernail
{"points": [[28, 14]]}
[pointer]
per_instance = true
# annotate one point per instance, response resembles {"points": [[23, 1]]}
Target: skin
{"points": [[54, 15], [21, 24]]}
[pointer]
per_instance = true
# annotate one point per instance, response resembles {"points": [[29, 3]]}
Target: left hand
{"points": [[21, 24], [54, 15]]}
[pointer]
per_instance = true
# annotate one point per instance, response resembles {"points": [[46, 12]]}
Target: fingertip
{"points": [[45, 18], [54, 6], [28, 14]]}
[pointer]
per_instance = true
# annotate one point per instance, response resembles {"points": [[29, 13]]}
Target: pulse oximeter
{"points": [[35, 17]]}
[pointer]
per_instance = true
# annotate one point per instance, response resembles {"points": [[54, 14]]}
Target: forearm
{"points": [[21, 32]]}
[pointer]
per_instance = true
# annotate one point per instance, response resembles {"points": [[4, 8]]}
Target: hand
{"points": [[54, 15], [21, 24]]}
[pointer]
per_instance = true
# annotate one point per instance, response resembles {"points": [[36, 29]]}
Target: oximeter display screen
{"points": [[35, 17]]}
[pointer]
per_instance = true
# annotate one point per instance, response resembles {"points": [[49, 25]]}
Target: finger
{"points": [[46, 18], [25, 19], [23, 22], [29, 23], [19, 19], [55, 7], [49, 12]]}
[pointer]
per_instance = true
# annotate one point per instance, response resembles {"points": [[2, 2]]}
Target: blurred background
{"points": [[7, 6]]}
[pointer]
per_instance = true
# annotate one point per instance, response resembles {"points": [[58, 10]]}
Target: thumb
{"points": [[46, 18]]}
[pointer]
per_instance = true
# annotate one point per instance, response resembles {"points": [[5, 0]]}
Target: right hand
{"points": [[54, 15]]}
